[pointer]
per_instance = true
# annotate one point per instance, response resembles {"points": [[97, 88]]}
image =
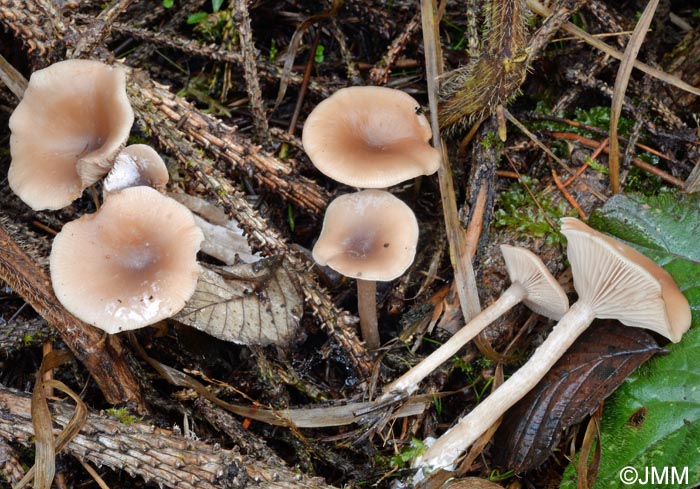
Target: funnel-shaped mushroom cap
{"points": [[544, 294], [621, 283], [370, 137], [66, 131], [128, 265], [370, 235], [137, 165]]}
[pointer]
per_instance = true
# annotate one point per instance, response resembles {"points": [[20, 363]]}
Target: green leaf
{"points": [[168, 3], [319, 56], [197, 17], [652, 422], [216, 5]]}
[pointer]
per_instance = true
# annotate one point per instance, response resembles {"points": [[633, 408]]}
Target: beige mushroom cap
{"points": [[128, 265], [544, 294], [370, 137], [66, 131], [623, 284], [370, 235], [136, 165]]}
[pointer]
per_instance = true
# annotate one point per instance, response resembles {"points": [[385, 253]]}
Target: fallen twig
{"points": [[157, 455]]}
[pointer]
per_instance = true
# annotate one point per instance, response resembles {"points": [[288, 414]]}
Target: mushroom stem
{"points": [[450, 445], [367, 309], [409, 381]]}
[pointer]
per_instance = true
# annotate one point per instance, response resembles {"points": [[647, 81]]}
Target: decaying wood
{"points": [[157, 455], [18, 334], [10, 467], [221, 142], [158, 110], [102, 354], [380, 72], [250, 70], [36, 24]]}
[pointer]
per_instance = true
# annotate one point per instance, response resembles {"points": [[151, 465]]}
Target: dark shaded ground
{"points": [[230, 72]]}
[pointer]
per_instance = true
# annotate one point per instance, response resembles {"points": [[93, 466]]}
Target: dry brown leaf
{"points": [[471, 483], [250, 304]]}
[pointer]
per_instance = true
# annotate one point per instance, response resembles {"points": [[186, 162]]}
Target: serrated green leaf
{"points": [[652, 422]]}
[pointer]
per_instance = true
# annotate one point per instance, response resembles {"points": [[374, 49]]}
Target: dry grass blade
{"points": [[461, 261], [46, 446], [618, 97], [540, 9], [294, 46], [321, 417], [12, 78]]}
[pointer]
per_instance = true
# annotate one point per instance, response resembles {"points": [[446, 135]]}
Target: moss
{"points": [[492, 141], [123, 416], [517, 211]]}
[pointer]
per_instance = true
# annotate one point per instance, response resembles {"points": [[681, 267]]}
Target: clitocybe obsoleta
{"points": [[613, 281]]}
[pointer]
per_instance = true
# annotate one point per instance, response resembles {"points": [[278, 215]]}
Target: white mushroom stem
{"points": [[452, 443], [531, 283], [409, 381], [367, 309], [613, 281]]}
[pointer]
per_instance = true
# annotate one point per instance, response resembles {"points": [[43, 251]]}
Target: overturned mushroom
{"points": [[613, 281], [531, 283], [136, 165], [370, 137], [128, 265], [369, 235], [66, 131]]}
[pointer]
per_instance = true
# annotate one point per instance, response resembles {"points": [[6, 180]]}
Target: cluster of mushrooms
{"points": [[372, 138], [138, 250], [132, 262], [360, 139]]}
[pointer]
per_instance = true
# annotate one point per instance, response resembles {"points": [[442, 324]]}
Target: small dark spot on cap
{"points": [[359, 274], [386, 245]]}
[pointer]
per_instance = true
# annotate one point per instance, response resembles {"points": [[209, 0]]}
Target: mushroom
{"points": [[130, 264], [370, 137], [531, 283], [613, 281], [369, 235], [66, 131], [136, 165]]}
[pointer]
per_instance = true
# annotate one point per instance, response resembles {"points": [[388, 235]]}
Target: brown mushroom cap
{"points": [[623, 284], [370, 137], [128, 265], [137, 165], [370, 235], [66, 131], [544, 294]]}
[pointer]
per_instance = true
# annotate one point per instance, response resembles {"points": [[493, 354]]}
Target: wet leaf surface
{"points": [[251, 304], [599, 361]]}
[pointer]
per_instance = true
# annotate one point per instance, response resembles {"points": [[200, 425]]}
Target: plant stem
{"points": [[452, 443], [409, 381], [367, 309]]}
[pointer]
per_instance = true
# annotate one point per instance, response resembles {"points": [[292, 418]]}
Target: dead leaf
{"points": [[471, 483], [250, 304], [590, 371]]}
